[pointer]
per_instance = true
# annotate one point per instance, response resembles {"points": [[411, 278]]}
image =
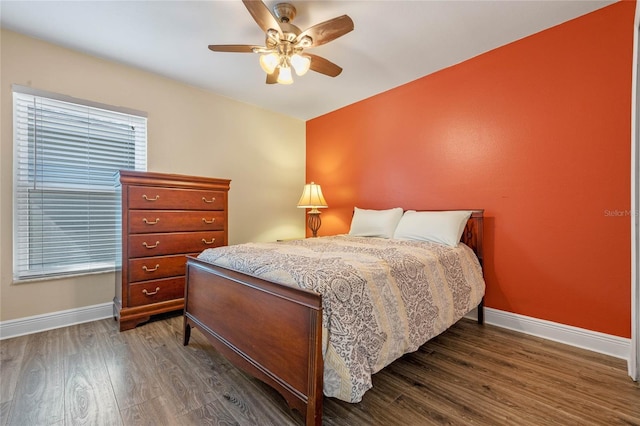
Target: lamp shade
{"points": [[284, 77], [312, 197], [269, 62], [300, 64]]}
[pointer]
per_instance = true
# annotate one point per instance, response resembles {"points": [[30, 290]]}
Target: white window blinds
{"points": [[66, 152]]}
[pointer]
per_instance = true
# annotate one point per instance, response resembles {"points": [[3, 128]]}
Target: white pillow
{"points": [[375, 223], [443, 227]]}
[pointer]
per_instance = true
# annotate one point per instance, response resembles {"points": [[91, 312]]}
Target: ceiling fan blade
{"points": [[323, 66], [238, 48], [326, 31], [263, 17], [273, 77]]}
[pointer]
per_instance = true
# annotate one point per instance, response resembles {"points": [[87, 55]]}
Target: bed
{"points": [[268, 309]]}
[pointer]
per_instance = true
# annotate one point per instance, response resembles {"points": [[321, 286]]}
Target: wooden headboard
{"points": [[473, 234]]}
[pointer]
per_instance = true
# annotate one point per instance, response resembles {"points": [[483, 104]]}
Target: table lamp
{"points": [[312, 199]]}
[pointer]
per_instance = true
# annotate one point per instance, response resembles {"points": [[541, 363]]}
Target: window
{"points": [[66, 152]]}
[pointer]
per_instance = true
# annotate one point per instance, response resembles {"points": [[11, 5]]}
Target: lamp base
{"points": [[314, 222]]}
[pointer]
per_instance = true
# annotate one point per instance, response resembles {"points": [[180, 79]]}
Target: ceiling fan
{"points": [[285, 44]]}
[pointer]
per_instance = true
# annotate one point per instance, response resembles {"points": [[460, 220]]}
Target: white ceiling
{"points": [[394, 42]]}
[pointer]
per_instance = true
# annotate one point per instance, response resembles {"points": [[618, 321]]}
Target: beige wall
{"points": [[190, 131]]}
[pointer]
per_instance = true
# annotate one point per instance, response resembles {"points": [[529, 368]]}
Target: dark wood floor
{"points": [[93, 375]]}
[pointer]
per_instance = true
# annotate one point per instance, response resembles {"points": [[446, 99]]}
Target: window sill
{"points": [[60, 277]]}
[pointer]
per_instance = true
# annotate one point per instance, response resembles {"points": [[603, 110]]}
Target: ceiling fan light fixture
{"points": [[285, 43], [300, 63], [284, 77], [269, 62]]}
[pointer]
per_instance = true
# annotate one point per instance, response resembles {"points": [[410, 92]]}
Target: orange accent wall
{"points": [[538, 134]]}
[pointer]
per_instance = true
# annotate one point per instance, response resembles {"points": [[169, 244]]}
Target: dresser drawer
{"points": [[152, 268], [147, 245], [149, 197], [149, 221], [154, 291]]}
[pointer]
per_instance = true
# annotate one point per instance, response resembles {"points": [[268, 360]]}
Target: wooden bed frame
{"points": [[271, 331]]}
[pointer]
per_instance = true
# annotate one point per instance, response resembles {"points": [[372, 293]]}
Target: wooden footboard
{"points": [[271, 331]]}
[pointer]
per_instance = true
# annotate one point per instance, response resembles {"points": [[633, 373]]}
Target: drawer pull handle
{"points": [[152, 292], [207, 201], [150, 199], [151, 270], [148, 222], [209, 242], [208, 222], [150, 247]]}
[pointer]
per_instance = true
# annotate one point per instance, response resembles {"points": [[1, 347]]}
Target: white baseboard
{"points": [[618, 347], [38, 323]]}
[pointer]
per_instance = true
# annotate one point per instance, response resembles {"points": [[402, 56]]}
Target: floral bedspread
{"points": [[381, 298]]}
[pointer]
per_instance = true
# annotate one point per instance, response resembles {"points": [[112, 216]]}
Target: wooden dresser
{"points": [[164, 218]]}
